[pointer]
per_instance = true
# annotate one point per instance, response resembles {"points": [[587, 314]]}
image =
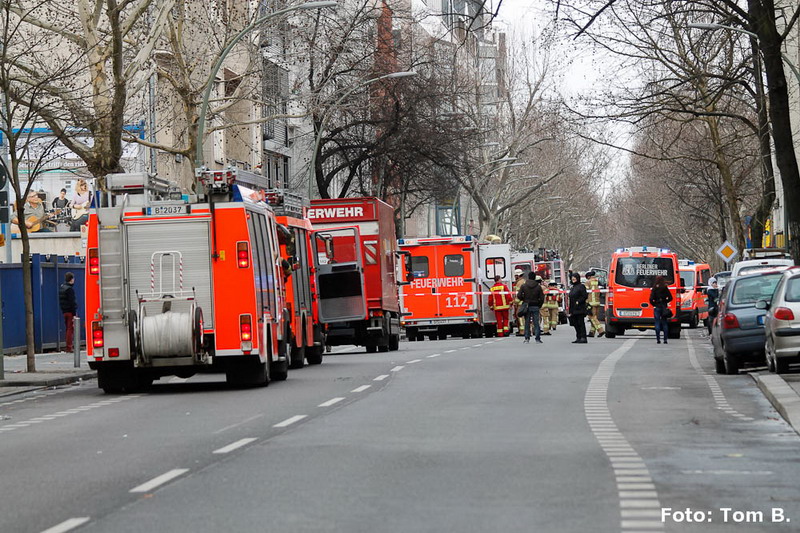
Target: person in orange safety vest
{"points": [[500, 302]]}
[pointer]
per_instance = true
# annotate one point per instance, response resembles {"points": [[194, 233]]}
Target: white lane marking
{"points": [[381, 377], [290, 421], [466, 348], [434, 355], [449, 351], [635, 487], [362, 388], [476, 345], [160, 480], [716, 391], [413, 361], [67, 412], [332, 401], [245, 421], [398, 368], [67, 525], [235, 445]]}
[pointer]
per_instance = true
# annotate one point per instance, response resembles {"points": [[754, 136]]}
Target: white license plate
{"points": [[630, 313], [162, 210]]}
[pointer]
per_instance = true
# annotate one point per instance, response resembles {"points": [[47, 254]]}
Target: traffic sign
{"points": [[727, 252]]}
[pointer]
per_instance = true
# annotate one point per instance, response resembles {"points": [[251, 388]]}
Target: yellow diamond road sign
{"points": [[727, 252]]}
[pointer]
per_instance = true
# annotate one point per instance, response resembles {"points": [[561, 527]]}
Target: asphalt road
{"points": [[459, 435]]}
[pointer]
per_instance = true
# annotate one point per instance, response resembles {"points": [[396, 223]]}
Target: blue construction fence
{"points": [[48, 322]]}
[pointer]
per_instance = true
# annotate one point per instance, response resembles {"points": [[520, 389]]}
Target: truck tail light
{"points": [[245, 328], [97, 335], [729, 321], [94, 261], [242, 255], [783, 313]]}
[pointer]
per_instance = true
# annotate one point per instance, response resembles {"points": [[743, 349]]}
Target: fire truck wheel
{"points": [[694, 321], [611, 331], [411, 335], [371, 348], [280, 370], [383, 348], [298, 355], [314, 355], [674, 331], [394, 342], [442, 336], [133, 333]]}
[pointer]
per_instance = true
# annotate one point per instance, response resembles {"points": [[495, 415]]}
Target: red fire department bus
{"points": [[295, 239], [631, 276], [175, 288]]}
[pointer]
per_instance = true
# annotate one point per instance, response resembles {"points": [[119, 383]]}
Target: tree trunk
{"points": [[27, 291], [762, 18], [728, 182]]}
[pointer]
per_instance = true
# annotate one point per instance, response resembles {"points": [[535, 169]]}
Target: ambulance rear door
{"points": [[493, 260], [339, 275]]}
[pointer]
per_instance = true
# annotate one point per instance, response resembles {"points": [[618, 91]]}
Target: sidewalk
{"points": [[51, 369], [783, 392]]}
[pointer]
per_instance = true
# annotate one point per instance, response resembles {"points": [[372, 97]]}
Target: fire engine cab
{"points": [[451, 278], [174, 287]]}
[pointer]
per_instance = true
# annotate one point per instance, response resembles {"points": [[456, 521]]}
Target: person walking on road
{"points": [[69, 307], [713, 302], [532, 297], [500, 303], [594, 304], [577, 308], [519, 281], [660, 297]]}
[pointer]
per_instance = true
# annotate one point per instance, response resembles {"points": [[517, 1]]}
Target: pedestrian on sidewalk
{"points": [[69, 306], [577, 308], [713, 302], [532, 297], [660, 297], [500, 303]]}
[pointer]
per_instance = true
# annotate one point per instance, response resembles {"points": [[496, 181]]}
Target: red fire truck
{"points": [[449, 289], [295, 238], [176, 287], [355, 261]]}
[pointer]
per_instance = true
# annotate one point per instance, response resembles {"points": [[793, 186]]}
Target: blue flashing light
{"points": [[468, 238], [401, 241]]}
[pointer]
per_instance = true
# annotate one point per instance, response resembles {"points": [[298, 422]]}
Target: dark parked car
{"points": [[738, 331]]}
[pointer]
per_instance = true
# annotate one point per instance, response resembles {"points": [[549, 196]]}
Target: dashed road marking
{"points": [[413, 361], [638, 499], [381, 377], [449, 351], [66, 412], [362, 388], [434, 355], [289, 421], [398, 368], [716, 390], [160, 480], [67, 525], [235, 445], [332, 401]]}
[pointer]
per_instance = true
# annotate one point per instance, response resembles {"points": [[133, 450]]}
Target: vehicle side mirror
{"points": [[762, 304]]}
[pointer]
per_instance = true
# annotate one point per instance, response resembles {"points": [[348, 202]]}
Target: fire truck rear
{"points": [[355, 260], [175, 287]]}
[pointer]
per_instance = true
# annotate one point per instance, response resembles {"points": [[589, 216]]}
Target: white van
{"points": [[751, 266]]}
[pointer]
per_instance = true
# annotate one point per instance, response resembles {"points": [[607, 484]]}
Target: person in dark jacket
{"points": [[69, 306], [660, 297], [713, 302], [577, 308], [532, 296]]}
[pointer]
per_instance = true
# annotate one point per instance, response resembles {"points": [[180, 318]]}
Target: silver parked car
{"points": [[782, 322], [738, 330]]}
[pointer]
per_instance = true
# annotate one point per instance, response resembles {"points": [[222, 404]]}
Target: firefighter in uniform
{"points": [[519, 281], [500, 302], [552, 299], [594, 304]]}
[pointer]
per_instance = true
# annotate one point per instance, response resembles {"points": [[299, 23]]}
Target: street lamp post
{"points": [[201, 125], [327, 113]]}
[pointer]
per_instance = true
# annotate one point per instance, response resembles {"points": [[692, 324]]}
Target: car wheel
{"points": [[731, 363], [720, 366], [781, 366], [769, 357]]}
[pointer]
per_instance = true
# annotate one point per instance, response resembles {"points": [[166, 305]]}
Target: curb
{"points": [[43, 383], [781, 396]]}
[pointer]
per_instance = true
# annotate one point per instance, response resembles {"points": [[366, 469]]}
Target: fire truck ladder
{"points": [[112, 274]]}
